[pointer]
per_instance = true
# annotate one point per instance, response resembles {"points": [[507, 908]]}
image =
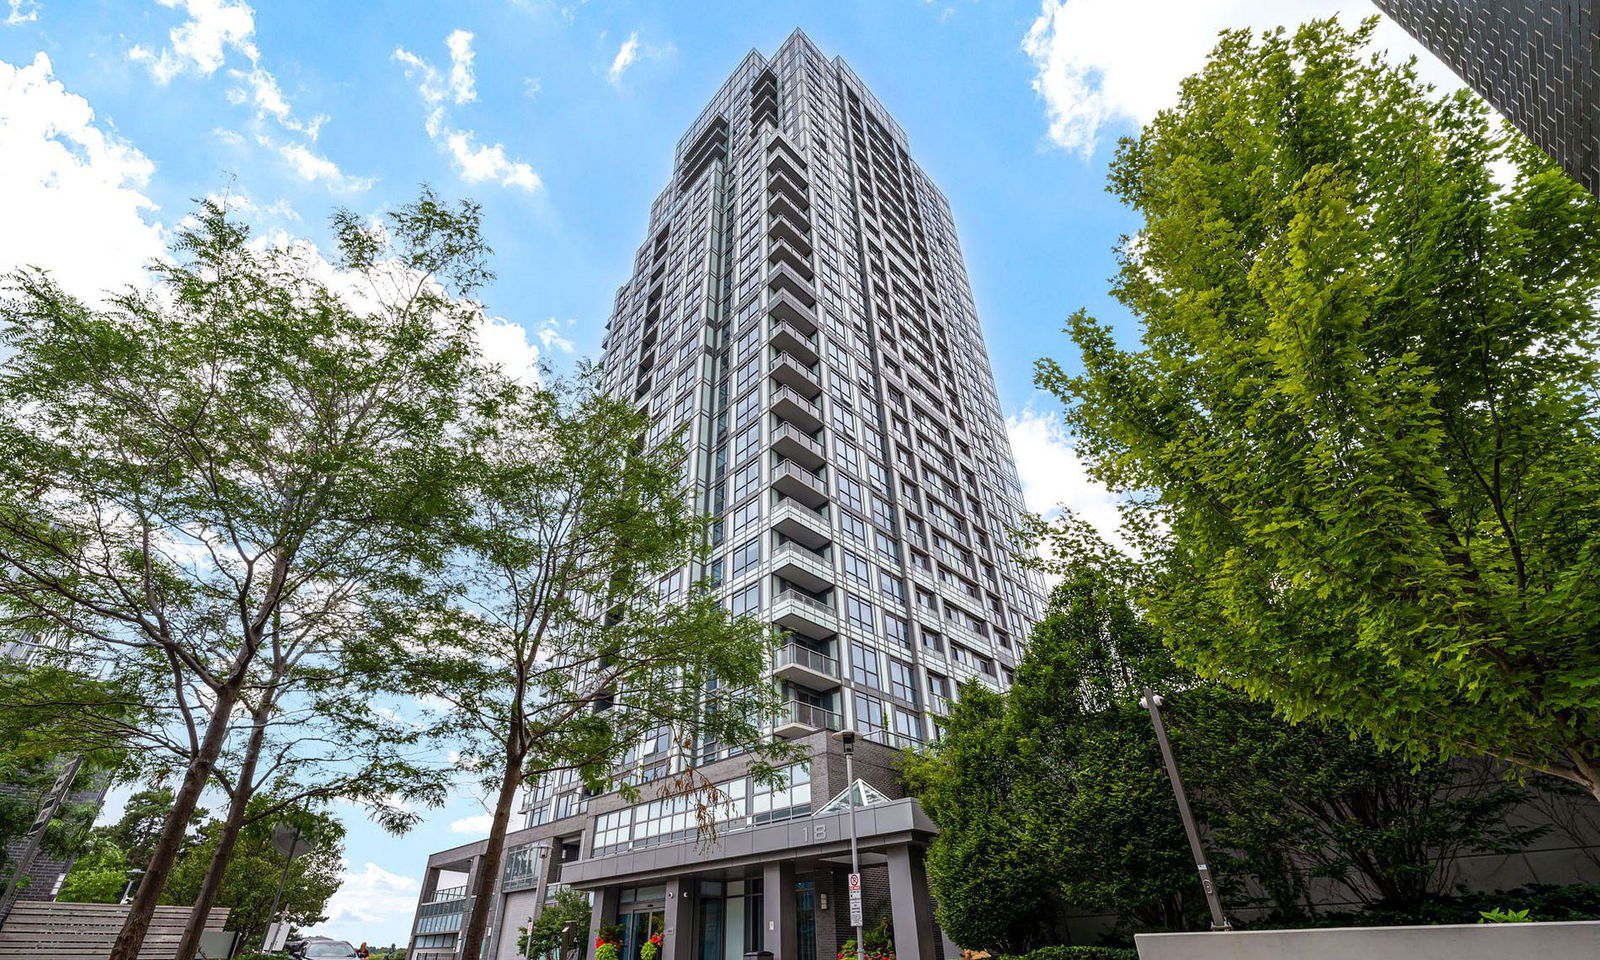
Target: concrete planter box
{"points": [[1488, 941]]}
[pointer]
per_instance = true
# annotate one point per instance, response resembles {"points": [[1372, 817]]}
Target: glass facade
{"points": [[740, 803]]}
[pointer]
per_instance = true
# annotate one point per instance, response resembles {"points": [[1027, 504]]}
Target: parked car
{"points": [[322, 948]]}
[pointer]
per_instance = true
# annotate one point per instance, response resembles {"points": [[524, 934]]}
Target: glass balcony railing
{"points": [[800, 655], [809, 603], [800, 713]]}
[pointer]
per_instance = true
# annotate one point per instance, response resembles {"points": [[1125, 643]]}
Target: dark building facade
{"points": [[801, 310], [1533, 60]]}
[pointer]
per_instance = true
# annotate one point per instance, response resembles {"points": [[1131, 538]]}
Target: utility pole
{"points": [[1151, 701]]}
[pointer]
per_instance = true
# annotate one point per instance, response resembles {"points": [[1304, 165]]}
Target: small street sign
{"points": [[289, 841], [855, 883]]}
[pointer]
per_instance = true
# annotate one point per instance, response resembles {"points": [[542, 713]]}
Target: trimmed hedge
{"points": [[1077, 953]]}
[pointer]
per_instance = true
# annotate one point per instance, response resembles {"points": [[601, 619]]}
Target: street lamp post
{"points": [[848, 738], [1151, 701]]}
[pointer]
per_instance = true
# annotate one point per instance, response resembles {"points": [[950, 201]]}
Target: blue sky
{"points": [[560, 116]]}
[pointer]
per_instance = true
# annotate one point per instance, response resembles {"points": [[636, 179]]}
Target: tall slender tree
{"points": [[564, 630], [263, 439]]}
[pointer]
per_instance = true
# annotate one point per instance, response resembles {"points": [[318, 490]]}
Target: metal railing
{"points": [[448, 893]]}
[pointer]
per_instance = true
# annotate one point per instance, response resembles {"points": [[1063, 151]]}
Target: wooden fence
{"points": [[85, 931]]}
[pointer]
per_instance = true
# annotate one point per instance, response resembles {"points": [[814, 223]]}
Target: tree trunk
{"points": [[244, 789], [143, 907], [489, 866]]}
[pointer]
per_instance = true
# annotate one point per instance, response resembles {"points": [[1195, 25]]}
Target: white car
{"points": [[322, 948]]}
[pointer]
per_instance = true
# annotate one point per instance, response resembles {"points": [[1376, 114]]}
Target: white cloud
{"points": [[1052, 475], [475, 162], [506, 344], [1093, 67], [22, 11], [477, 825], [478, 163], [77, 187], [626, 55], [531, 86], [202, 44], [549, 334], [462, 82], [373, 896], [314, 167], [633, 51]]}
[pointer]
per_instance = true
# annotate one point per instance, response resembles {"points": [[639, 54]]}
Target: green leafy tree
{"points": [[253, 871], [1359, 432], [1287, 805], [38, 740], [132, 837], [139, 827], [203, 485], [100, 874], [1066, 762], [992, 886], [560, 931], [559, 640], [1054, 796]]}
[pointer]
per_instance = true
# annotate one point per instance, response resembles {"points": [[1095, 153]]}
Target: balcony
{"points": [[813, 669], [798, 483], [779, 252], [792, 443], [791, 372], [807, 616], [795, 233], [791, 406], [800, 312], [802, 524], [799, 719], [780, 184], [446, 894], [783, 278], [792, 340], [802, 567]]}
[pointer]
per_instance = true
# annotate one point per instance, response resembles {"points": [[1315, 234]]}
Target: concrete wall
{"points": [[1490, 941]]}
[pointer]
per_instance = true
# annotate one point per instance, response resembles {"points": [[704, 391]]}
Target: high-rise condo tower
{"points": [[799, 307]]}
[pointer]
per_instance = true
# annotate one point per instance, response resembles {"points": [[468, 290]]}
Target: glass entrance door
{"points": [[637, 928]]}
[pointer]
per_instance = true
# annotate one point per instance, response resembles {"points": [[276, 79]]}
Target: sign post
{"points": [[290, 841], [848, 738]]}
